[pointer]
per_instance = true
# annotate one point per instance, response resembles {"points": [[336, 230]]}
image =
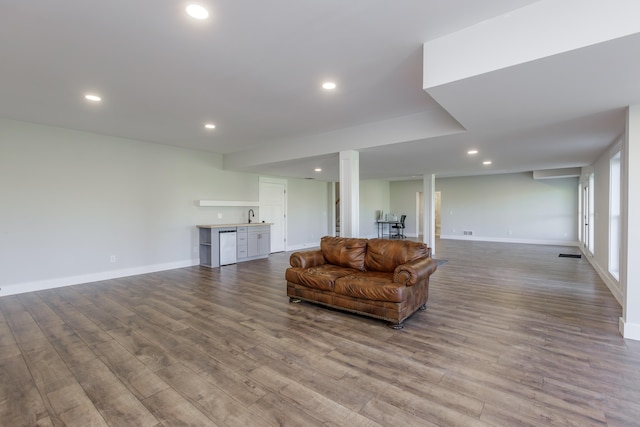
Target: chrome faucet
{"points": [[251, 215]]}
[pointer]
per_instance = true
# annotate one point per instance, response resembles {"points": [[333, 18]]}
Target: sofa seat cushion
{"points": [[371, 285], [385, 255], [321, 277], [344, 251]]}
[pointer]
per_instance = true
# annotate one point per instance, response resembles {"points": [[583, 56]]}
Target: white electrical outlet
{"points": [[219, 215], [112, 258]]}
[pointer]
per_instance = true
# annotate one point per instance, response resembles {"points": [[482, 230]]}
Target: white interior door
{"points": [[273, 203]]}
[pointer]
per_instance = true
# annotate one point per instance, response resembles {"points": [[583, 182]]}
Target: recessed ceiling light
{"points": [[210, 126], [472, 152], [486, 162], [328, 85], [198, 12], [318, 169], [92, 97]]}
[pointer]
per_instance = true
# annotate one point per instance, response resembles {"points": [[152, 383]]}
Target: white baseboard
{"points": [[629, 330], [39, 285], [612, 284], [510, 240], [303, 246], [312, 245]]}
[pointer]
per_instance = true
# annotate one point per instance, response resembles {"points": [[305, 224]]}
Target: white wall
{"points": [[600, 260], [403, 202], [534, 211], [629, 251], [307, 213], [374, 196], [510, 208], [70, 200]]}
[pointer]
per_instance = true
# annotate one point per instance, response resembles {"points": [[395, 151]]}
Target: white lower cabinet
{"points": [[242, 244], [259, 243], [252, 242]]}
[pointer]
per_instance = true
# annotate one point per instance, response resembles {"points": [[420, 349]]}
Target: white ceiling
{"points": [[255, 70]]}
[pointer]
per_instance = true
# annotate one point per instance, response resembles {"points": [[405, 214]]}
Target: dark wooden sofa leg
{"points": [[400, 325], [396, 326], [294, 300]]}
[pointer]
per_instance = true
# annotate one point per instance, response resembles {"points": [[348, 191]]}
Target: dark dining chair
{"points": [[400, 227]]}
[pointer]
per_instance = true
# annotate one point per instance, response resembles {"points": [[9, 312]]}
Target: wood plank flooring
{"points": [[513, 335]]}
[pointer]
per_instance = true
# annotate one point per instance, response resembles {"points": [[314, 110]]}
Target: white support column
{"points": [[350, 193], [630, 250], [429, 220]]}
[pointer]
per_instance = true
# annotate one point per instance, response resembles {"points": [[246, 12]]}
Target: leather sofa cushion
{"points": [[320, 277], [345, 252], [306, 259], [385, 255], [371, 285]]}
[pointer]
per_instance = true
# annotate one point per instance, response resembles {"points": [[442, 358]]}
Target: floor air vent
{"points": [[570, 256]]}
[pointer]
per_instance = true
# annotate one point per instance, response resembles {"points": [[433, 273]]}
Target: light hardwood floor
{"points": [[512, 335]]}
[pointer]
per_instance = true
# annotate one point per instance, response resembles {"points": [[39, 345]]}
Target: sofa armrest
{"points": [[412, 272], [306, 259]]}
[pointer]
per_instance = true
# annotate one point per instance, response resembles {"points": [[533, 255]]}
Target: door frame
{"points": [[283, 183]]}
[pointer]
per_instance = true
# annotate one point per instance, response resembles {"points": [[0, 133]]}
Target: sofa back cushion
{"points": [[344, 251], [385, 255]]}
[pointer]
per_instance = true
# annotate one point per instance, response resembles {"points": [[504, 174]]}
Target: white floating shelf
{"points": [[227, 203]]}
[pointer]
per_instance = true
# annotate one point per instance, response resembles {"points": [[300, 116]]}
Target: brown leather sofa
{"points": [[386, 279]]}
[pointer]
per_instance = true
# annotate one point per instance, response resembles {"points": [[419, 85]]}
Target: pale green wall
{"points": [[72, 199], [403, 201], [374, 196], [510, 207], [308, 212]]}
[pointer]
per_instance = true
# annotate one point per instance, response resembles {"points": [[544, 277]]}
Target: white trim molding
{"points": [[228, 203], [60, 282], [629, 330], [510, 240]]}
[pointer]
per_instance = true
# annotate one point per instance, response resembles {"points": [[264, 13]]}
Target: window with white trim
{"points": [[592, 213], [614, 215]]}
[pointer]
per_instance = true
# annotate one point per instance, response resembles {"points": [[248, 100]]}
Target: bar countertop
{"points": [[245, 224]]}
